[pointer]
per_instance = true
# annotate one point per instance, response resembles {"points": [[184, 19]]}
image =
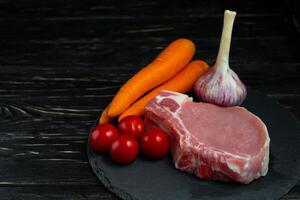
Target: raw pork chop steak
{"points": [[214, 143]]}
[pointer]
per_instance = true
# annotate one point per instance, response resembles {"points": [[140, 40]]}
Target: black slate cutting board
{"points": [[148, 179]]}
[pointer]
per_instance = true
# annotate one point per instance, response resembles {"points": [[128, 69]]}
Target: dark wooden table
{"points": [[61, 62]]}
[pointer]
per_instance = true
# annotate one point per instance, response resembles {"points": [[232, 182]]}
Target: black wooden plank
{"points": [[52, 192], [77, 192], [118, 9], [94, 27], [105, 53], [94, 84]]}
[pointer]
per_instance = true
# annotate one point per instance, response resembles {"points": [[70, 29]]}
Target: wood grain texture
{"points": [[61, 62], [91, 192]]}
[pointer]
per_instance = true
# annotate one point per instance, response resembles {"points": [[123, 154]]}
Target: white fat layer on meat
{"points": [[219, 152], [233, 167], [177, 97], [265, 161], [245, 170], [266, 149], [159, 98]]}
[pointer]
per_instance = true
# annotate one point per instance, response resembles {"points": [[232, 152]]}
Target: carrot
{"points": [[168, 63], [182, 82], [104, 117]]}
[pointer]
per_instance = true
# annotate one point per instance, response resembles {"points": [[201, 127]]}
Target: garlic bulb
{"points": [[220, 85]]}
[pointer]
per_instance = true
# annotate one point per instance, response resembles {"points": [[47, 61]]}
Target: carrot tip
{"points": [[104, 118]]}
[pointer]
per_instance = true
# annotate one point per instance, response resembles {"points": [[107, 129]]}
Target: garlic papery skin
{"points": [[220, 85], [222, 88]]}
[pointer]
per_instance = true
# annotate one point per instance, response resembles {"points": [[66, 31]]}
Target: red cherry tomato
{"points": [[103, 136], [124, 149], [131, 125], [155, 143]]}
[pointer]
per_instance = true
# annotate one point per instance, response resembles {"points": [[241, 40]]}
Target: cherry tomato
{"points": [[155, 143], [124, 149], [103, 136], [131, 125]]}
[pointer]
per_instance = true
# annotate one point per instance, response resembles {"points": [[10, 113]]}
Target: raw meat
{"points": [[214, 143]]}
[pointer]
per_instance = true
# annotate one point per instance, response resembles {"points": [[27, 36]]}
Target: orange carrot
{"points": [[182, 82], [104, 117], [166, 65]]}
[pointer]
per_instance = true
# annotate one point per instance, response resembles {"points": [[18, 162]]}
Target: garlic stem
{"points": [[223, 54]]}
